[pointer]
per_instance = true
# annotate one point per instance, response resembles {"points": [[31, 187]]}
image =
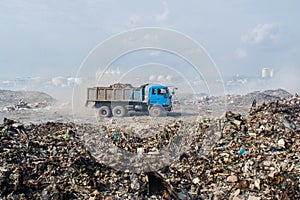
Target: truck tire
{"points": [[104, 111], [156, 111], [119, 111]]}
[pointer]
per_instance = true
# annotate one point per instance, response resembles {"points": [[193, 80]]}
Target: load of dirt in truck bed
{"points": [[253, 156]]}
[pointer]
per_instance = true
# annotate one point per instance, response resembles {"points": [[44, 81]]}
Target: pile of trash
{"points": [[49, 161], [257, 156], [240, 103], [17, 100], [22, 105], [253, 156]]}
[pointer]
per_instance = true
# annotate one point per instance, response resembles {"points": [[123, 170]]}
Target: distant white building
{"points": [[267, 73], [271, 73]]}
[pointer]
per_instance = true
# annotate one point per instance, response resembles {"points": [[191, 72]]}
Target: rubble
{"points": [[243, 156], [22, 105], [240, 103], [20, 99]]}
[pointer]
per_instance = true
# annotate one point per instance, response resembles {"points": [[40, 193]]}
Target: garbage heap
{"points": [[22, 105], [255, 156], [20, 100], [240, 103]]}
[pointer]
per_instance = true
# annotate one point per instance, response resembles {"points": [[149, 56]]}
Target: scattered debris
{"points": [[22, 105], [252, 156], [21, 98]]}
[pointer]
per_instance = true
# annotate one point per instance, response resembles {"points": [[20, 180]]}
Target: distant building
{"points": [[271, 73], [267, 73]]}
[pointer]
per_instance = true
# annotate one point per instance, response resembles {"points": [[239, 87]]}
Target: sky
{"points": [[52, 38]]}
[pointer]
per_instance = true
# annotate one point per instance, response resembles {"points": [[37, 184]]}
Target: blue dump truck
{"points": [[119, 99]]}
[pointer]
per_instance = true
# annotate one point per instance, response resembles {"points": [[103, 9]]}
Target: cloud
{"points": [[163, 16], [75, 81], [262, 33], [241, 53], [59, 81], [160, 78], [152, 77]]}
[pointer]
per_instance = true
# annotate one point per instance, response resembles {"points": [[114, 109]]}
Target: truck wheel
{"points": [[104, 111], [156, 111], [119, 111]]}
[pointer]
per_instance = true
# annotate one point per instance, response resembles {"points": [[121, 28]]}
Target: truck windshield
{"points": [[163, 91]]}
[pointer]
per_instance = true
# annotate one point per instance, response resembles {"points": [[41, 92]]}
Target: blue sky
{"points": [[52, 38]]}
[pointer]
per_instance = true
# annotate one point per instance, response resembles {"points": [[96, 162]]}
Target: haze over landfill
{"points": [[46, 42]]}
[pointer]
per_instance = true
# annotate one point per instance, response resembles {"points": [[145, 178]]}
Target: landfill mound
{"points": [[270, 94], [257, 97], [253, 156], [238, 103], [14, 100]]}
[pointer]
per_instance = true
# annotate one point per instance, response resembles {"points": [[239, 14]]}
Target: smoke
{"points": [[286, 78], [161, 78], [59, 81]]}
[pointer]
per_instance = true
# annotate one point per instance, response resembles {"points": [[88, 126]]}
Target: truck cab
{"points": [[160, 96]]}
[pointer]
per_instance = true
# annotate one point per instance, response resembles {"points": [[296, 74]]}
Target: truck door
{"points": [[153, 95], [158, 96]]}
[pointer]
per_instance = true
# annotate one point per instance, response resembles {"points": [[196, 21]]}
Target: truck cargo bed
{"points": [[114, 94]]}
